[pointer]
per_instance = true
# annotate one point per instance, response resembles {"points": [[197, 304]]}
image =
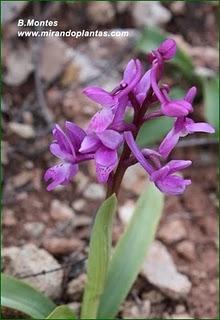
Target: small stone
{"points": [[60, 211], [187, 250], [81, 181], [62, 246], [82, 221], [76, 286], [94, 192], [172, 231], [133, 311], [150, 13], [154, 296], [79, 204], [28, 260], [160, 270], [34, 229], [178, 7], [180, 308], [25, 131], [126, 211], [100, 12], [9, 219], [134, 179], [22, 178]]}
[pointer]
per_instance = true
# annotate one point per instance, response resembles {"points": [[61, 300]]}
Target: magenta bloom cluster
{"points": [[108, 131]]}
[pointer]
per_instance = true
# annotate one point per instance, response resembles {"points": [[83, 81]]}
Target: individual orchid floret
{"points": [[104, 145], [163, 177], [169, 107], [182, 127], [65, 147], [167, 181]]}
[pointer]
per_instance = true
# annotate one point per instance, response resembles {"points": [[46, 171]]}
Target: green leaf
{"points": [[151, 39], [18, 295], [211, 101], [131, 251], [153, 131], [62, 312], [99, 255]]}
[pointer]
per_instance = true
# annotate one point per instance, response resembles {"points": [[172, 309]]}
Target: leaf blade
{"points": [[99, 254], [211, 100], [20, 296], [62, 312], [131, 249]]}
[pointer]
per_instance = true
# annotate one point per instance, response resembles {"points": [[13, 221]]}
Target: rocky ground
{"points": [[178, 278]]}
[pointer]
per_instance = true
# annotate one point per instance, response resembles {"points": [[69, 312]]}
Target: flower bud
{"points": [[167, 49]]}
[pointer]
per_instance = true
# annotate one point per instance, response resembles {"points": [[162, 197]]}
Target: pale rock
{"points": [[160, 271], [94, 192], [22, 178], [178, 7], [55, 55], [18, 65], [75, 287], [154, 296], [34, 229], [85, 66], [133, 311], [82, 221], [22, 130], [134, 179], [11, 9], [28, 260], [186, 249], [100, 12], [150, 13], [81, 181], [9, 219], [126, 211], [62, 246], [60, 211], [180, 308], [172, 231], [79, 204]]}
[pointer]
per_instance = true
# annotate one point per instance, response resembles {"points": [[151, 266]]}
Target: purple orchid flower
{"points": [[65, 147], [169, 107], [104, 145], [182, 127], [116, 101], [168, 182], [163, 177]]}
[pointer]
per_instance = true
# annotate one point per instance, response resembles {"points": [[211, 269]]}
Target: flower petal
{"points": [[110, 138], [189, 97], [89, 144], [100, 96], [106, 160], [199, 127], [130, 71], [142, 87], [60, 174], [61, 154], [61, 138], [168, 143], [177, 165], [101, 120], [173, 185], [137, 152], [176, 108], [75, 133]]}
